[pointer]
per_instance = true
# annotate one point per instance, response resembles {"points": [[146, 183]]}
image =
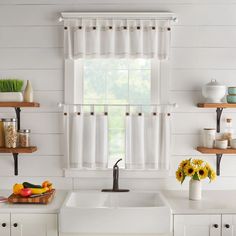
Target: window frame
{"points": [[73, 94]]}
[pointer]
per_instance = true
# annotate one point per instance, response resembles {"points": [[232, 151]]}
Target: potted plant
{"points": [[197, 170], [10, 90]]}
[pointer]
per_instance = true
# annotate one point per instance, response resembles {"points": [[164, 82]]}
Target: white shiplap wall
{"points": [[203, 46]]}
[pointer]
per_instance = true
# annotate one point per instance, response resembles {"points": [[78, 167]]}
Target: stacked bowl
{"points": [[231, 98]]}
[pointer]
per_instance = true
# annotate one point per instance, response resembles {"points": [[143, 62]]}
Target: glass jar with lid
{"points": [[10, 131], [24, 137], [2, 136]]}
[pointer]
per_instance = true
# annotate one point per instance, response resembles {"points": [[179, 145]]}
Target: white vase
{"points": [[195, 190], [28, 93], [11, 97]]}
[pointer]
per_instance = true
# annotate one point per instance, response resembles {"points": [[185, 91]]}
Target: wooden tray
{"points": [[42, 199]]}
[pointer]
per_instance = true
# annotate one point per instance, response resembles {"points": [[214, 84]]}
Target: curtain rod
{"points": [[173, 105], [119, 15]]}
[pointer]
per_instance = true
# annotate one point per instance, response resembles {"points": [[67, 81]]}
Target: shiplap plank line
{"points": [[223, 58], [199, 14], [204, 37], [194, 79], [112, 2], [31, 37], [31, 58], [32, 166], [41, 80]]}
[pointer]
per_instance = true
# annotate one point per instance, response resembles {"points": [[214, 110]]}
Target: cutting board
{"points": [[42, 199]]}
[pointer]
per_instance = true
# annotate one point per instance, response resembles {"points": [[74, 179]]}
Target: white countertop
{"points": [[213, 202], [52, 207]]}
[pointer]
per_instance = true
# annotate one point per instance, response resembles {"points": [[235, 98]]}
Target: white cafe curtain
{"points": [[117, 38]]}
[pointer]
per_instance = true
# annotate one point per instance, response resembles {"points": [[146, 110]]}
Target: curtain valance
{"points": [[116, 38]]}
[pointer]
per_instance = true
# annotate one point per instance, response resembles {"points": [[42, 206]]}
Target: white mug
{"points": [[209, 136]]}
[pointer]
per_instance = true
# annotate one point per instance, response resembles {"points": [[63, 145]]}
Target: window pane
{"points": [[95, 84], [117, 86], [139, 83], [116, 81]]}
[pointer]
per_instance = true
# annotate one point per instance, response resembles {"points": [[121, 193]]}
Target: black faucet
{"points": [[115, 180]]}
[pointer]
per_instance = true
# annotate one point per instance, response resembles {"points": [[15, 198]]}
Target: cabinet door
{"points": [[34, 224], [197, 225], [228, 225], [5, 225]]}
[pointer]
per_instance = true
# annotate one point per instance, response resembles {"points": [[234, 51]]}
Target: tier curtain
{"points": [[89, 141], [147, 141], [117, 39]]}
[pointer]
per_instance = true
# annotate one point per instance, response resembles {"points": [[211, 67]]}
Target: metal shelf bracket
{"points": [[218, 117], [218, 161], [15, 155]]}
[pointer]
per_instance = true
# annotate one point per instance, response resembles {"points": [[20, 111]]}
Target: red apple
{"points": [[25, 192]]}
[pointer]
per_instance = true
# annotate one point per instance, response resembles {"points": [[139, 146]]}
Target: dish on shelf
{"points": [[214, 92], [231, 90], [221, 144], [233, 143], [231, 98]]}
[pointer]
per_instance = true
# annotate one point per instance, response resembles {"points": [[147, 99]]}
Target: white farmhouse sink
{"points": [[117, 213]]}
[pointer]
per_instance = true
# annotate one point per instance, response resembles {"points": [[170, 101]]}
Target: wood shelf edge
{"points": [[216, 105], [205, 150], [19, 104], [18, 150]]}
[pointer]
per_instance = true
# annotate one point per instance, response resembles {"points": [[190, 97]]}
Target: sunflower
{"points": [[179, 175], [197, 162], [183, 163], [213, 175], [189, 170], [203, 173]]}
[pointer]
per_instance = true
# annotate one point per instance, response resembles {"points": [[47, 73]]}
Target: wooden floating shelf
{"points": [[19, 104], [18, 150], [216, 105], [205, 150]]}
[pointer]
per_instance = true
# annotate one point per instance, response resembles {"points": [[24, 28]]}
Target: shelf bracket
{"points": [[218, 161], [15, 156], [218, 117], [18, 110]]}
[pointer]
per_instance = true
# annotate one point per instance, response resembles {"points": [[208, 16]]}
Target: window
{"points": [[117, 81]]}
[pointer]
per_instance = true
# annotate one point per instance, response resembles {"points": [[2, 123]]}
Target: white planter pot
{"points": [[195, 190], [11, 97]]}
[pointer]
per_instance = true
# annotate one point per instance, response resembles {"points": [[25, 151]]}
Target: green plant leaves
{"points": [[11, 85], [196, 177]]}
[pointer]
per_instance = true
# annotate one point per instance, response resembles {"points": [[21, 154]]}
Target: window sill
{"points": [[125, 174]]}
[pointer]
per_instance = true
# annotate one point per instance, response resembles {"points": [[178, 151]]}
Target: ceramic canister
{"points": [[209, 136]]}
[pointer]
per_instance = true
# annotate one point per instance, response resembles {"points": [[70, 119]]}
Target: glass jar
{"points": [[2, 137], [10, 131], [24, 138], [228, 132]]}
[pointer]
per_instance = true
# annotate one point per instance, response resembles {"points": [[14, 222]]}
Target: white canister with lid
{"points": [[214, 92], [209, 136]]}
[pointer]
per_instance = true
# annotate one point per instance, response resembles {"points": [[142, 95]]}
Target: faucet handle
{"points": [[116, 164]]}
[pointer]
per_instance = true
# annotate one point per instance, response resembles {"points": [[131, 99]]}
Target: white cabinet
{"points": [[228, 225], [205, 225], [5, 225], [28, 224], [197, 225]]}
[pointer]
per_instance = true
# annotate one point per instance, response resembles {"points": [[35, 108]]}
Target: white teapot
{"points": [[214, 92]]}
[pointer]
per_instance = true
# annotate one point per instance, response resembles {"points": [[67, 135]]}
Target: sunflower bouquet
{"points": [[196, 169]]}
